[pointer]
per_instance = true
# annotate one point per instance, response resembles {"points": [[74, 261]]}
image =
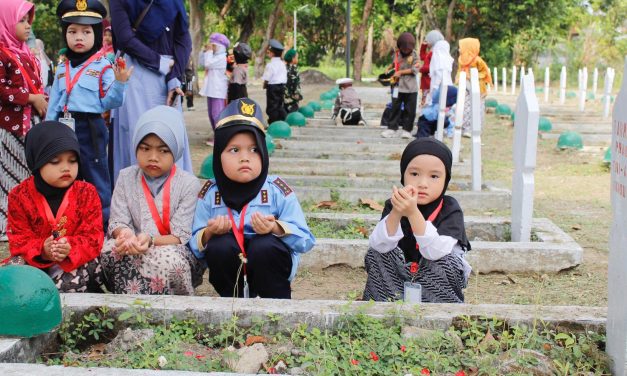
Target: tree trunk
{"points": [[195, 30], [361, 37], [225, 9], [449, 20], [248, 26], [261, 53], [428, 16], [367, 67]]}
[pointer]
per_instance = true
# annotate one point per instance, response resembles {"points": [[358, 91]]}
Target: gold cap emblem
{"points": [[247, 109], [81, 5]]}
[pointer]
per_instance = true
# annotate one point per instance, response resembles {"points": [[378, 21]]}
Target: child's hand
{"points": [[122, 74], [263, 224], [405, 200], [39, 103], [140, 244], [218, 226], [123, 240], [61, 249]]}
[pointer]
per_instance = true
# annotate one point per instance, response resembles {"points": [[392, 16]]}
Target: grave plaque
{"points": [[563, 85], [595, 81], [617, 263], [496, 79], [439, 133], [547, 83], [476, 115], [459, 115], [504, 74], [514, 80], [607, 91], [583, 89], [525, 148]]}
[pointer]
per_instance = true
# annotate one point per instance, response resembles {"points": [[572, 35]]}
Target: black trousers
{"points": [[236, 91], [275, 97], [350, 117], [427, 128], [268, 268], [407, 115]]}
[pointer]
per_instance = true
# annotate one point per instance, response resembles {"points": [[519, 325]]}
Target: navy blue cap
{"points": [[276, 45], [84, 12], [242, 111]]}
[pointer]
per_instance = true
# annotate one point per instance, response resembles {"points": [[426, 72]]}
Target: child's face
{"points": [[154, 156], [60, 171], [107, 38], [241, 160], [428, 175], [80, 38], [295, 59], [22, 29]]}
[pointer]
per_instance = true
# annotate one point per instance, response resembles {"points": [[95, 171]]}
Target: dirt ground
{"points": [[572, 189]]}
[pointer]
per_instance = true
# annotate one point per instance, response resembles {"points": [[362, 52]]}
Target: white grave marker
{"points": [[522, 74], [439, 133], [584, 89], [547, 84], [595, 81], [495, 79], [514, 80], [563, 85], [524, 152], [459, 115], [504, 74], [607, 90], [475, 103], [617, 263]]}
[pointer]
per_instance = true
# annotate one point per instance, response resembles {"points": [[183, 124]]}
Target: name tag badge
{"points": [[395, 92], [412, 292], [68, 120]]}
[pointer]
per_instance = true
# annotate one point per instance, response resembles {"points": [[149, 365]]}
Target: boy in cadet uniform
{"points": [[85, 86], [274, 80], [239, 77], [248, 226], [347, 104]]}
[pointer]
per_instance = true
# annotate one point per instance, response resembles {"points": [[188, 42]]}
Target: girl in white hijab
{"points": [[441, 65]]}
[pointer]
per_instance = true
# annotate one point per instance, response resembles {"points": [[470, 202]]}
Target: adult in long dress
{"points": [[158, 45]]}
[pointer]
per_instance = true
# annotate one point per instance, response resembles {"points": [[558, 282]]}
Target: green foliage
{"points": [[46, 26], [74, 334], [137, 315], [355, 229]]}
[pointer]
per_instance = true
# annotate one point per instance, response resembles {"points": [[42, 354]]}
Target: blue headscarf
{"points": [[162, 14]]}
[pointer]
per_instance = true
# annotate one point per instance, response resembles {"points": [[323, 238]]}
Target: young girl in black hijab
{"points": [[55, 221], [421, 236]]}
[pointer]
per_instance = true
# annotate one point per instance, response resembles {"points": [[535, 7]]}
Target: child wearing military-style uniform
{"points": [[85, 86], [248, 227], [274, 80], [347, 104]]}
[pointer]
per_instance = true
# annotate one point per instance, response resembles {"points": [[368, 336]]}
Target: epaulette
{"points": [[282, 185], [205, 188]]}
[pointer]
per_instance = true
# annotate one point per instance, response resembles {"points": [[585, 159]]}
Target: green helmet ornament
{"points": [[327, 95], [545, 124], [503, 109], [29, 301], [206, 169], [270, 145], [307, 111], [607, 158], [327, 104], [491, 103], [280, 129], [315, 106], [296, 119], [570, 140]]}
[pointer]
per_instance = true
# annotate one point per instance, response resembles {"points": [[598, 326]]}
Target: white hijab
{"points": [[441, 64]]}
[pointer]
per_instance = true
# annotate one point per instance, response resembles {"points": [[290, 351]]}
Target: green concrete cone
{"points": [[570, 140], [270, 144], [571, 94], [328, 104], [206, 169], [280, 129], [29, 302], [503, 109], [315, 106], [545, 124], [607, 158], [491, 103], [327, 95], [513, 117], [307, 111], [296, 119]]}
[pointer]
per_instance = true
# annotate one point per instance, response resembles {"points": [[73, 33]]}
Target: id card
{"points": [[395, 92], [412, 292], [69, 121]]}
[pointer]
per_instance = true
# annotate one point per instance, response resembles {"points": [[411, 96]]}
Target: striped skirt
{"points": [[13, 171]]}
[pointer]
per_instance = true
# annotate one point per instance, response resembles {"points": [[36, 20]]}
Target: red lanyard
{"points": [[69, 85], [44, 209], [433, 216], [29, 82], [397, 63], [239, 231], [162, 225]]}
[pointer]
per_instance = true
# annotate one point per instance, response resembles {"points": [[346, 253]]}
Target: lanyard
{"points": [[44, 210], [239, 237], [29, 82], [397, 63], [162, 225], [413, 268], [69, 85]]}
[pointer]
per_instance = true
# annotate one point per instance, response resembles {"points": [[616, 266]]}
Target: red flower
{"points": [[188, 353], [354, 362], [460, 373], [272, 371], [403, 348], [425, 371], [199, 357], [413, 268], [374, 356]]}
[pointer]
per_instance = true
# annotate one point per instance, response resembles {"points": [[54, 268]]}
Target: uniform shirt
{"points": [[216, 82], [275, 198], [85, 95], [407, 82], [240, 74], [275, 72], [15, 111], [346, 98]]}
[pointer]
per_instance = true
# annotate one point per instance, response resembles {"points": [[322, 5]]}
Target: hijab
{"points": [[166, 123], [441, 58], [76, 58], [160, 16], [44, 142], [468, 53], [433, 37], [450, 220], [11, 12], [406, 41]]}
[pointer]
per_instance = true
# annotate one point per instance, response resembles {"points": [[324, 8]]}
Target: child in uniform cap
{"points": [[421, 236], [274, 80], [55, 220], [86, 86], [248, 227], [292, 88], [347, 104], [239, 77], [216, 82]]}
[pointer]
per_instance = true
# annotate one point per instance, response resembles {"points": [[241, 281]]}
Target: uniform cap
{"points": [[243, 111], [343, 81], [276, 45], [84, 12]]}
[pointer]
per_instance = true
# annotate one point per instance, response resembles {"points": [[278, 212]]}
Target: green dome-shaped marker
{"points": [[307, 111], [571, 94], [539, 90], [206, 169], [544, 124], [315, 106], [327, 95], [270, 144], [296, 119], [513, 116], [503, 109], [280, 129], [607, 158], [328, 104], [570, 140], [590, 96], [491, 103], [29, 301]]}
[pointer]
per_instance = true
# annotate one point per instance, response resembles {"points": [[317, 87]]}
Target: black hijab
{"points": [[450, 220], [406, 41], [44, 142], [235, 194], [75, 58]]}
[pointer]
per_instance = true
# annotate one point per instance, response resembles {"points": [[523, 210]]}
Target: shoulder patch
{"points": [[93, 72], [61, 75], [264, 196], [205, 188], [282, 185], [218, 198]]}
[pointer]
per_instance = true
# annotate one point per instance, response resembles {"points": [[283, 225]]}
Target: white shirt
{"points": [[275, 72], [441, 65], [216, 82]]}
